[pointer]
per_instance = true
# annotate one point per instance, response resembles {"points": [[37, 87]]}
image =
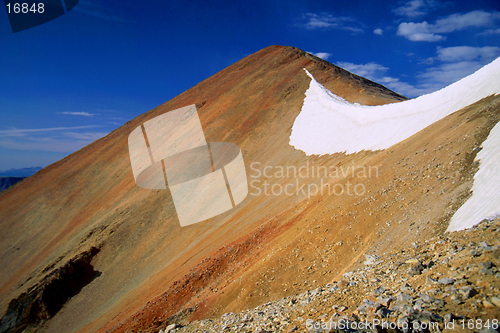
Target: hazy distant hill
{"points": [[6, 182], [23, 172]]}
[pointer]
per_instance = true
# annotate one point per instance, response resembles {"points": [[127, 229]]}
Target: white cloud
{"points": [[418, 32], [451, 65], [412, 9], [322, 55], [370, 71], [448, 73], [378, 31], [484, 54], [458, 62], [79, 114], [329, 21], [427, 32], [377, 73], [477, 18], [405, 88], [490, 32]]}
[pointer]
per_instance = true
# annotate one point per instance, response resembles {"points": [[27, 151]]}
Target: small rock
{"points": [[406, 288], [448, 317], [487, 264], [485, 246], [495, 301], [384, 300], [446, 281], [366, 304], [404, 298], [427, 299], [488, 304], [379, 291], [383, 312], [486, 271], [475, 253], [467, 292], [412, 261], [171, 327], [371, 259], [430, 280], [416, 269]]}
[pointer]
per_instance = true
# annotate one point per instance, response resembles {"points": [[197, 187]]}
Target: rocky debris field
{"points": [[449, 283]]}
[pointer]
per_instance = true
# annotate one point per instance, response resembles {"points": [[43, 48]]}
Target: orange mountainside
{"points": [[93, 252]]}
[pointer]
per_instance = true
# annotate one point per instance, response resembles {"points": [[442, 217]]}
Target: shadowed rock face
{"points": [[154, 272], [42, 302]]}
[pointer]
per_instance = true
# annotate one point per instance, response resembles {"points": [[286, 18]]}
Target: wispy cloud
{"points": [[415, 8], [458, 62], [450, 65], [87, 136], [79, 114], [426, 32], [370, 70], [418, 32], [329, 21], [44, 144], [378, 73], [322, 55], [378, 31], [490, 32], [19, 132], [448, 73], [92, 9], [56, 139], [482, 55]]}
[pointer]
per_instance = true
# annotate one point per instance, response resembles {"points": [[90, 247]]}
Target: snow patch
{"points": [[329, 124], [485, 199]]}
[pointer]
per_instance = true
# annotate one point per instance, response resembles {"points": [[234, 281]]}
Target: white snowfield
{"points": [[328, 124], [485, 199]]}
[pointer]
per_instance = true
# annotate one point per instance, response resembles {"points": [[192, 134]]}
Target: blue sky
{"points": [[72, 80]]}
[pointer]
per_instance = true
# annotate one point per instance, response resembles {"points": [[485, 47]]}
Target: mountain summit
{"points": [[85, 249]]}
